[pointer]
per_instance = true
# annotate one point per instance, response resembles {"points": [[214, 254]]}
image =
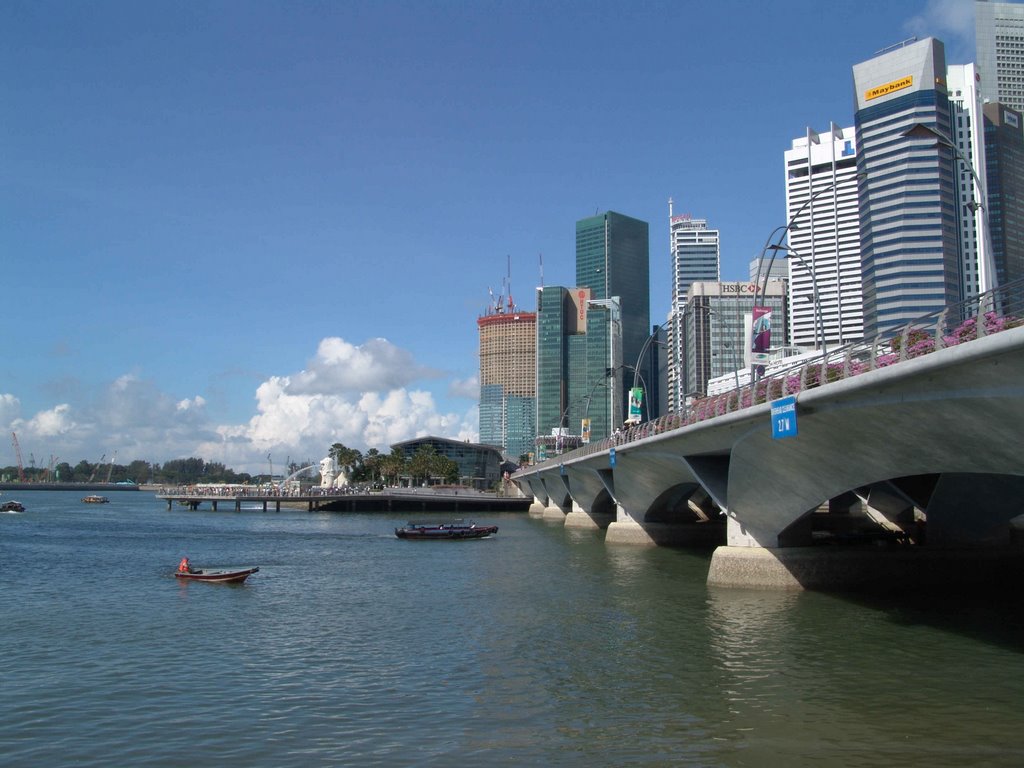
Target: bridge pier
{"points": [[554, 512], [579, 518], [862, 567], [536, 508]]}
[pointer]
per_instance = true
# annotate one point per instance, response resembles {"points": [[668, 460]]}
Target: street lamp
{"points": [[614, 308], [643, 351], [762, 282], [986, 266], [819, 321]]}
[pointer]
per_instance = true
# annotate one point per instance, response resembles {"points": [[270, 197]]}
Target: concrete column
{"points": [[861, 567], [737, 535], [554, 512], [626, 530], [581, 519], [537, 508]]}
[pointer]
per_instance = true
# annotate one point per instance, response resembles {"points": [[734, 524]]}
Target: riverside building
{"points": [[716, 322], [508, 378], [999, 39], [589, 337], [824, 267], [696, 257], [906, 197], [1004, 165], [977, 271]]}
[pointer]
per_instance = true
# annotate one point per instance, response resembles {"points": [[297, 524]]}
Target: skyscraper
{"points": [[970, 184], [821, 203], [613, 261], [589, 337], [906, 200], [508, 381], [696, 257], [716, 322], [999, 38], [1004, 156]]}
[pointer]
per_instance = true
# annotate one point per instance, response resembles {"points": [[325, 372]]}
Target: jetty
{"points": [[316, 500]]}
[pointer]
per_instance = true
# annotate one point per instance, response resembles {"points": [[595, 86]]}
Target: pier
{"points": [[391, 500]]}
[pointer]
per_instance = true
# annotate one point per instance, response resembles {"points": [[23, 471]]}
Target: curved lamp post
{"points": [[768, 246], [614, 308], [986, 264], [643, 351], [819, 321]]}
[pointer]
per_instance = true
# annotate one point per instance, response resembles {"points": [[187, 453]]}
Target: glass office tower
{"points": [[999, 38], [906, 198], [612, 261], [1004, 157]]}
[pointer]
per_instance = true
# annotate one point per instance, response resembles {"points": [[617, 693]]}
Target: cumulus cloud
{"points": [[10, 408], [342, 367], [468, 388], [952, 21], [364, 396]]}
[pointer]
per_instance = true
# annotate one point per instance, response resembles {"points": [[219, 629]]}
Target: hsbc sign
{"points": [[738, 288]]}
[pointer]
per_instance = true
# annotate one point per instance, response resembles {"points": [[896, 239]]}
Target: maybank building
{"points": [[908, 221]]}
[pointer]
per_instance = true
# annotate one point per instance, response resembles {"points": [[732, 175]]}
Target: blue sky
{"points": [[238, 228]]}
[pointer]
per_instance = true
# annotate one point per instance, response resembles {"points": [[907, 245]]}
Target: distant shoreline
{"points": [[73, 487]]}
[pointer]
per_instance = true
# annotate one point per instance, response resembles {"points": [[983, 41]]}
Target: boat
{"points": [[457, 530], [217, 577], [95, 500], [12, 506]]}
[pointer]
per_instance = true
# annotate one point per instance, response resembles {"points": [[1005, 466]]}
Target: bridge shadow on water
{"points": [[992, 614]]}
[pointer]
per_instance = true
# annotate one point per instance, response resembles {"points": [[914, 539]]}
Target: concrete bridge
{"points": [[903, 473]]}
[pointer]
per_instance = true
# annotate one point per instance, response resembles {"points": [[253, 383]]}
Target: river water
{"points": [[538, 646]]}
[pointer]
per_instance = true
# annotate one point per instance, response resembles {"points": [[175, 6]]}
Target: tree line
{"points": [[371, 468]]}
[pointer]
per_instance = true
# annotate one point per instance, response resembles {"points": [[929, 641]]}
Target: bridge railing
{"points": [[983, 315]]}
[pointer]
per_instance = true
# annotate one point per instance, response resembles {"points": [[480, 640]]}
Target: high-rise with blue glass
{"points": [[906, 198], [508, 395], [589, 337]]}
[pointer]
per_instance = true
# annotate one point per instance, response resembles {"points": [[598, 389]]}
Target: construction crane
{"points": [[17, 453], [110, 468], [96, 467]]}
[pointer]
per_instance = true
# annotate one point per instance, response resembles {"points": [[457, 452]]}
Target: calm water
{"points": [[536, 647]]}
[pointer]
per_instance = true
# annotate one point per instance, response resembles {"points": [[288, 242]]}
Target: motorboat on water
{"points": [[217, 577], [456, 530], [95, 500], [12, 506]]}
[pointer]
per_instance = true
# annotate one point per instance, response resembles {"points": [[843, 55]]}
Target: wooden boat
{"points": [[95, 500], [432, 531], [12, 506], [217, 577]]}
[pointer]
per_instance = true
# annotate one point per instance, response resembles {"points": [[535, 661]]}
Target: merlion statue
{"points": [[328, 470]]}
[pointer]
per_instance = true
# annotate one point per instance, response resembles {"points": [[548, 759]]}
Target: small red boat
{"points": [[218, 577]]}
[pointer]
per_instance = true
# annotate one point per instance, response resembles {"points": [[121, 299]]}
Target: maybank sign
{"points": [[887, 88]]}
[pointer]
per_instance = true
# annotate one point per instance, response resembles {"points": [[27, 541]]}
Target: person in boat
{"points": [[184, 566]]}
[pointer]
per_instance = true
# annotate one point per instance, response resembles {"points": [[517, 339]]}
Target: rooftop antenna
{"points": [[895, 46], [541, 257], [511, 304]]}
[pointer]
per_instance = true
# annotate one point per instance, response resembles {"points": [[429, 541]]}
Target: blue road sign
{"points": [[784, 418]]}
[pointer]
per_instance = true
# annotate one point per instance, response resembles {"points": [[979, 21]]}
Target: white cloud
{"points": [[10, 408], [361, 396], [467, 388], [52, 423], [952, 21], [342, 367]]}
